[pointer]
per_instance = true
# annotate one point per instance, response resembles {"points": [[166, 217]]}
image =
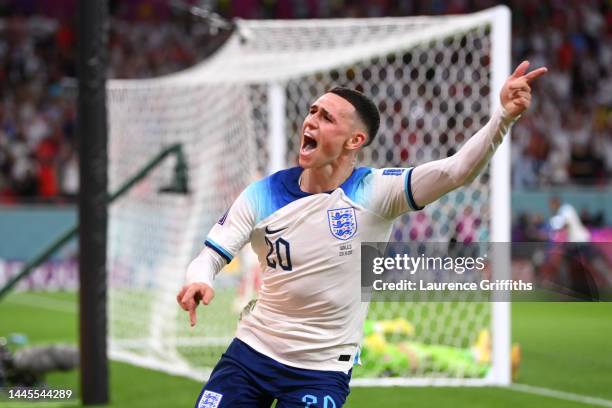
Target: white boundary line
{"points": [[568, 396], [421, 382]]}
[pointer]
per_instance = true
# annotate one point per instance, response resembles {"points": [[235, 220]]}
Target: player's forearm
{"points": [[204, 268], [478, 150], [432, 180]]}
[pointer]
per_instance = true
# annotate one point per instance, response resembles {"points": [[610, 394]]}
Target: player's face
{"points": [[327, 127]]}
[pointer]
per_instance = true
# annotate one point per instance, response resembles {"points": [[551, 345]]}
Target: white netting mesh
{"points": [[152, 234], [431, 79]]}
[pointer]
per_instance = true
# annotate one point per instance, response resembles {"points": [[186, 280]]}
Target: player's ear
{"points": [[357, 139]]}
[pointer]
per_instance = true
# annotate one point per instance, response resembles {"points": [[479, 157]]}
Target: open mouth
{"points": [[308, 144]]}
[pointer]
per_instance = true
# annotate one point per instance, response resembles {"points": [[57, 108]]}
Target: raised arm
{"points": [[432, 180]]}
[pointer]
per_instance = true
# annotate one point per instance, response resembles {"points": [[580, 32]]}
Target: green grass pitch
{"points": [[567, 347]]}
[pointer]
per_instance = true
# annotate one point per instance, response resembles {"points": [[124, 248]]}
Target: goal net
{"points": [[238, 117]]}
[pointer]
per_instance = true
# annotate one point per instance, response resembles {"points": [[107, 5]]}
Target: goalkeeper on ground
{"points": [[299, 341]]}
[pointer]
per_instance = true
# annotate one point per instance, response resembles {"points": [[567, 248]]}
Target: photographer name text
{"points": [[422, 285]]}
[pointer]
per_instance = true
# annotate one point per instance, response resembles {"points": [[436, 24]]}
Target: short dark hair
{"points": [[365, 107]]}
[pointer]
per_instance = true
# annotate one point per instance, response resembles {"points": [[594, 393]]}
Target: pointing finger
{"points": [[192, 316], [535, 74], [521, 69]]}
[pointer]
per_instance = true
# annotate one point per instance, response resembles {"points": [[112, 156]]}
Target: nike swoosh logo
{"points": [[269, 231]]}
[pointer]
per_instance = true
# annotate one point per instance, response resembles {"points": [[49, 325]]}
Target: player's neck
{"points": [[326, 178]]}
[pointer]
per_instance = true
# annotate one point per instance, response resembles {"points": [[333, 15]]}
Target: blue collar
{"points": [[291, 181]]}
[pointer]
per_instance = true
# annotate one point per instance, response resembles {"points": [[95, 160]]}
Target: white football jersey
{"points": [[309, 313]]}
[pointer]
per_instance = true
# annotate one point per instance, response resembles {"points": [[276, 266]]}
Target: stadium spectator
{"points": [[565, 138]]}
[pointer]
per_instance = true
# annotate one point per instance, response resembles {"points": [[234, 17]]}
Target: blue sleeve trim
{"points": [[218, 249], [408, 191]]}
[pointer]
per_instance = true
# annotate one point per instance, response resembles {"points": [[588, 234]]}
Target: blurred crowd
{"points": [[37, 142], [38, 146], [566, 138]]}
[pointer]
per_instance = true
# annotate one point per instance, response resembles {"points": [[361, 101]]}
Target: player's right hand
{"points": [[191, 295]]}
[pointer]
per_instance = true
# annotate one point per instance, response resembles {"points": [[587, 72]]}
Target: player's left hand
{"points": [[516, 93]]}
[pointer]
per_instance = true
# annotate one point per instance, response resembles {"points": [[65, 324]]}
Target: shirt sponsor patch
{"points": [[210, 399], [393, 172]]}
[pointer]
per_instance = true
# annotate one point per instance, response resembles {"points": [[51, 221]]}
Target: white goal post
{"points": [[238, 114]]}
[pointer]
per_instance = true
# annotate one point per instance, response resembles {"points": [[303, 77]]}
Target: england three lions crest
{"points": [[342, 222]]}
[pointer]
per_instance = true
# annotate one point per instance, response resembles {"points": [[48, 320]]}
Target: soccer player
{"points": [[298, 341]]}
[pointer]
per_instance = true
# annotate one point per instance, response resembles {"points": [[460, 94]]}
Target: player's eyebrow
{"points": [[325, 111]]}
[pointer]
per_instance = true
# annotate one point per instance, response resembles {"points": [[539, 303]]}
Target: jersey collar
{"points": [[292, 182]]}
